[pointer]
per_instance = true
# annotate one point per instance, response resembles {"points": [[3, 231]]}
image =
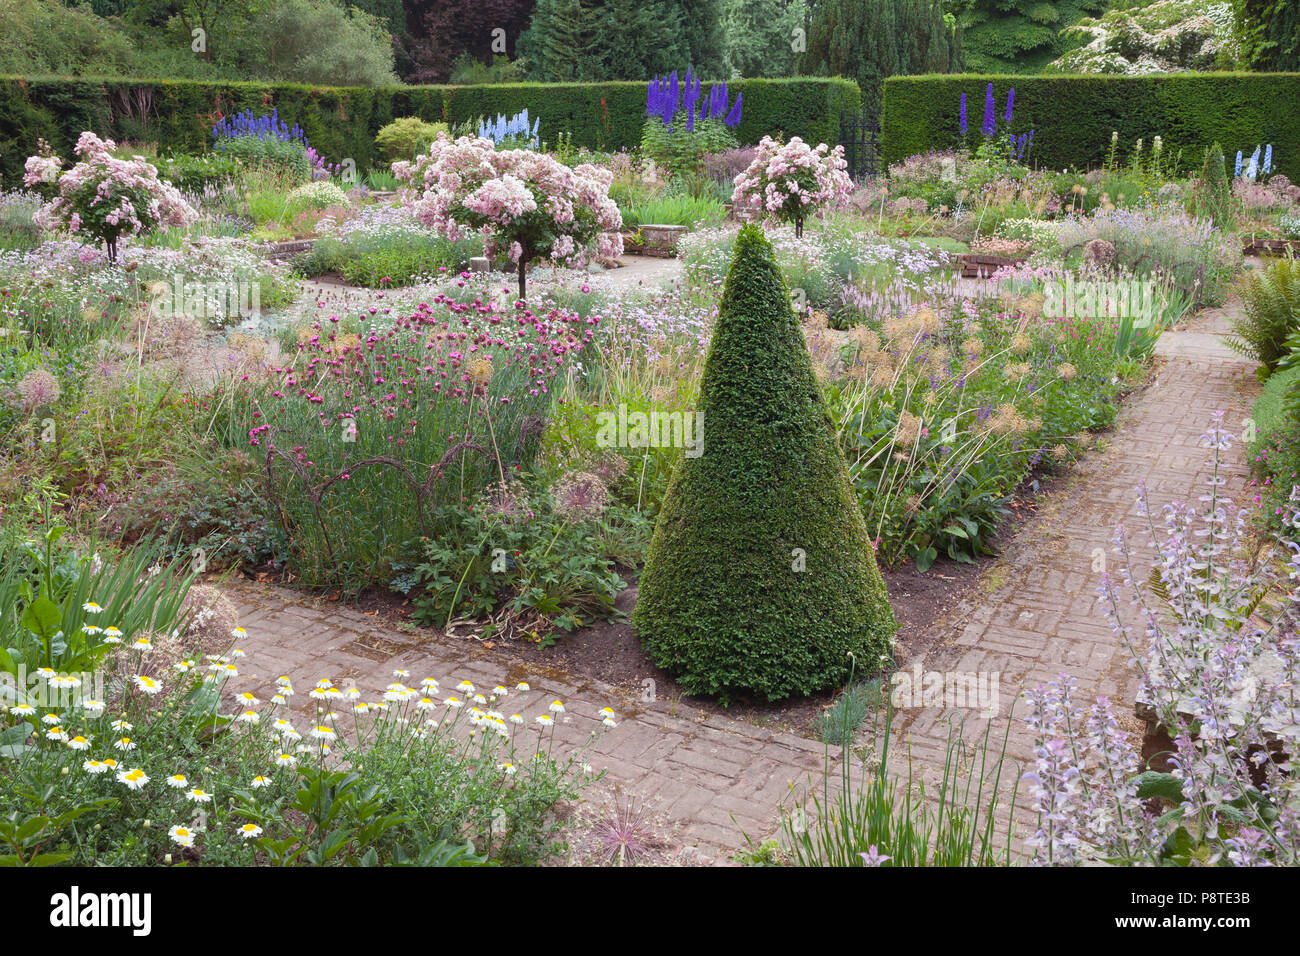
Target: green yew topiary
{"points": [[760, 578]]}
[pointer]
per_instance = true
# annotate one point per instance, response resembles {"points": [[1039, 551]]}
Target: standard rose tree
{"points": [[104, 197], [791, 181], [523, 202]]}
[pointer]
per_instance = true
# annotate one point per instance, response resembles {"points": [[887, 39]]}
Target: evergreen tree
{"points": [[1272, 32], [641, 38], [760, 36], [1019, 36], [561, 42], [869, 40], [702, 26], [760, 578], [439, 32]]}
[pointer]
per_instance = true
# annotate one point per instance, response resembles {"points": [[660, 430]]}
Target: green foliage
{"points": [[403, 138], [760, 35], [304, 41], [44, 587], [194, 174], [267, 152], [559, 568], [51, 37], [341, 123], [839, 723], [1019, 36], [1271, 301], [1073, 116], [679, 210], [908, 821], [389, 258], [679, 150], [1272, 31], [868, 40], [760, 577], [1212, 193], [318, 41]]}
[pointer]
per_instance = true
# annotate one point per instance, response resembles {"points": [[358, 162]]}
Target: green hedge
{"points": [[340, 123], [1073, 115]]}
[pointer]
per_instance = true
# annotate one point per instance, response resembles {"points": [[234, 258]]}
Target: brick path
{"points": [[716, 777], [1039, 613]]}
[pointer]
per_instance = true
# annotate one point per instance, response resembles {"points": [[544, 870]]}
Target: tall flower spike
{"points": [[733, 117], [961, 122], [1011, 99]]}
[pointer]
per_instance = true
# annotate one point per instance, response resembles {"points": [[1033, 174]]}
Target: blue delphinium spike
{"points": [[733, 117]]}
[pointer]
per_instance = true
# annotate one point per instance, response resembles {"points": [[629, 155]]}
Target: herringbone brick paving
{"points": [[718, 777]]}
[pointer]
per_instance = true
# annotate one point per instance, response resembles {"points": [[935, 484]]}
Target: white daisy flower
{"points": [[177, 780], [181, 836], [197, 795], [79, 743], [134, 779], [250, 831], [90, 607]]}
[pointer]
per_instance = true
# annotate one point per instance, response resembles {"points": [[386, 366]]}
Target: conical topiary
{"points": [[760, 578]]}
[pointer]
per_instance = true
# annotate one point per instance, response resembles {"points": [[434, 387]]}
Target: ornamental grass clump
{"points": [[366, 436], [760, 578]]}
